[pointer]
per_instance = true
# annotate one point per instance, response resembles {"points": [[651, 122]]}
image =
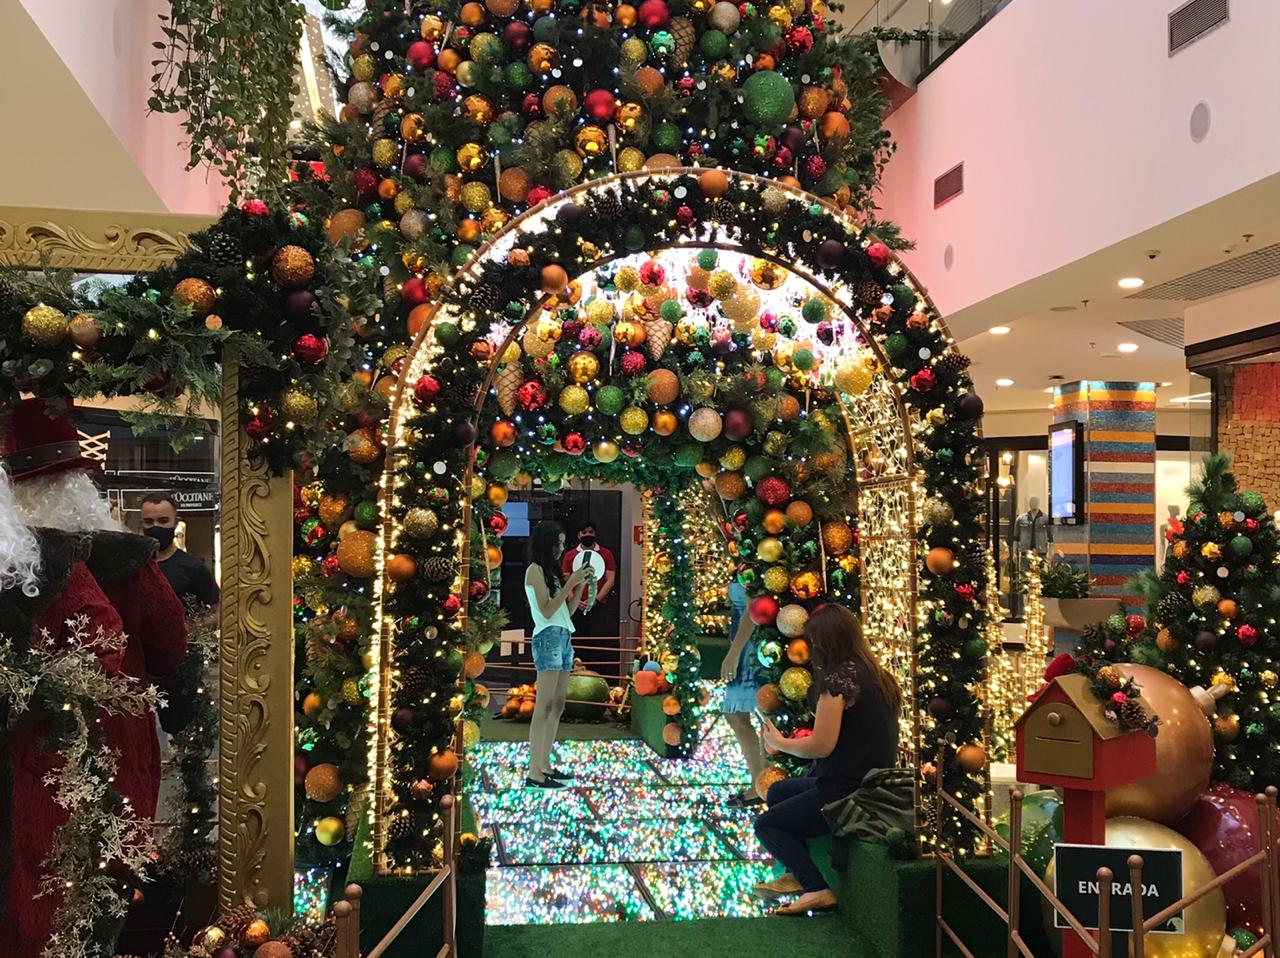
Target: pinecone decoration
{"points": [[438, 569], [507, 383], [461, 391], [607, 206], [721, 211], [1171, 607], [684, 34], [317, 646], [414, 684], [8, 293], [955, 362], [869, 293], [236, 921], [224, 249], [1132, 714], [657, 334], [401, 830], [486, 298]]}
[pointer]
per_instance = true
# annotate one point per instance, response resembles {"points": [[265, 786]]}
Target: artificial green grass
{"points": [[823, 937], [648, 720], [493, 729]]}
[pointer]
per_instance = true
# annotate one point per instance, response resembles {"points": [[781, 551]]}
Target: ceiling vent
{"points": [[949, 185], [1193, 20], [1170, 331], [1261, 264]]}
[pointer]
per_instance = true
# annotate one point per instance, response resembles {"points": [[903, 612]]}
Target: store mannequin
{"points": [[1030, 534], [1169, 528]]}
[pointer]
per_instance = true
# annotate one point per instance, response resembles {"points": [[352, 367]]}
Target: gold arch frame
{"points": [[899, 490]]}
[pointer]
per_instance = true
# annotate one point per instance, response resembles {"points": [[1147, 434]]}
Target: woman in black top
{"points": [[855, 729]]}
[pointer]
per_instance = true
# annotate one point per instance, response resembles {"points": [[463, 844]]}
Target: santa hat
{"points": [[39, 444]]}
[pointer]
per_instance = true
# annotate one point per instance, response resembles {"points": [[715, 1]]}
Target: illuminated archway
{"points": [[893, 376]]}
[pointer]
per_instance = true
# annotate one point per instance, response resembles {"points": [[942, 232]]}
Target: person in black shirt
{"points": [[185, 572], [855, 729]]}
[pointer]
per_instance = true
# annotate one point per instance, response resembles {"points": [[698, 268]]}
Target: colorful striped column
{"points": [[1117, 540]]}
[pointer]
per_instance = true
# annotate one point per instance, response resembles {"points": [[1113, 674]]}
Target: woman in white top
{"points": [[551, 600]]}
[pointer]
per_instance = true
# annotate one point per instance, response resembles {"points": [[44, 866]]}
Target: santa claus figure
{"points": [[55, 491], [44, 585]]}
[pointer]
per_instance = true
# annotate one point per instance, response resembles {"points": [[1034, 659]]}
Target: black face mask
{"points": [[587, 541], [161, 534]]}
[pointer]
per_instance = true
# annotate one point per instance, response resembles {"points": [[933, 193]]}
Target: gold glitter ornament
{"points": [[776, 578], [196, 294], [1268, 678], [633, 51], [795, 681], [46, 326], [591, 141], [479, 108], [781, 16], [583, 367], [302, 566], [633, 420], [1204, 596], [600, 312], [471, 156], [403, 203], [853, 376], [420, 523], [476, 196], [351, 691], [384, 153], [362, 68], [813, 101], [722, 284], [629, 117], [299, 406], [542, 58], [627, 279], [293, 267], [566, 166], [767, 275], [393, 355], [574, 400], [763, 340], [735, 457], [549, 329], [413, 128], [630, 159], [534, 345]]}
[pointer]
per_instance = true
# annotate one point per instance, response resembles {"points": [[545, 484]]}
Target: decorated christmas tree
{"points": [[1212, 620]]}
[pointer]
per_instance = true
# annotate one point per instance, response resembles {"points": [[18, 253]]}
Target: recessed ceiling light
{"points": [[1050, 389], [1166, 384], [998, 330], [1131, 282], [1128, 347], [1004, 382]]}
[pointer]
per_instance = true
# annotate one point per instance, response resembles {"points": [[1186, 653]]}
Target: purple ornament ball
{"points": [[831, 254], [402, 719], [792, 138], [1206, 640], [464, 433], [969, 405], [940, 708], [297, 305]]}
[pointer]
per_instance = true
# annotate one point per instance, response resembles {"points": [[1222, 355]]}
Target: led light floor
{"points": [[637, 837]]}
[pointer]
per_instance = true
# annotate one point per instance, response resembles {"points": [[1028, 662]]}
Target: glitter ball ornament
{"points": [[45, 326], [806, 585], [610, 400], [323, 783], [837, 536], [420, 523], [1205, 596], [705, 424], [356, 553], [773, 491], [199, 296], [575, 400], [795, 681], [299, 406], [583, 367], [768, 99], [730, 486], [531, 396], [633, 420], [293, 267], [776, 579], [632, 363], [937, 512]]}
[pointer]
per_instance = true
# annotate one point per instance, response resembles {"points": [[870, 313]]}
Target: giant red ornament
{"points": [[763, 610], [600, 105], [310, 349], [421, 55], [653, 14], [416, 166], [452, 606], [531, 395], [413, 292], [498, 523], [773, 491], [426, 389], [366, 183], [574, 444], [1223, 824], [878, 255]]}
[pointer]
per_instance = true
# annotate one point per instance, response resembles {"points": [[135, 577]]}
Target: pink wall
{"points": [[106, 44], [1073, 123]]}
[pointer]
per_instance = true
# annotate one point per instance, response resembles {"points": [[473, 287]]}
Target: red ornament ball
{"points": [[574, 444], [737, 424], [255, 208], [653, 273], [531, 106], [1135, 624], [421, 55], [445, 88], [923, 381], [600, 105], [653, 14], [763, 610], [498, 523], [310, 349], [426, 389], [479, 589], [814, 168], [799, 40], [773, 491], [366, 183], [632, 363], [537, 195], [257, 429], [414, 292], [1247, 635], [878, 255], [452, 606]]}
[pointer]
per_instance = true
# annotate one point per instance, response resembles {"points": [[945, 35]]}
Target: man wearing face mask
{"points": [[185, 572], [596, 621]]}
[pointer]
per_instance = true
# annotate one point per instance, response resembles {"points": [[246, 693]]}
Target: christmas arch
{"points": [[575, 343]]}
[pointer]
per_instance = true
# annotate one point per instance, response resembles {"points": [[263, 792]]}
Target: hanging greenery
{"points": [[228, 70]]}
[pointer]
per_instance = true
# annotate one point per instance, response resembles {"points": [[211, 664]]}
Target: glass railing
{"points": [[936, 27]]}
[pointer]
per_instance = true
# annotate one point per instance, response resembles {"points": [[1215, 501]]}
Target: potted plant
{"points": [[1067, 604]]}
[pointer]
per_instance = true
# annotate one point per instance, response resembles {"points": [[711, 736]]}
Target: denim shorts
{"points": [[553, 650]]}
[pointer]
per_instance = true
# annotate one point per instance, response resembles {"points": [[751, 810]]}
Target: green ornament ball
{"points": [[518, 76], [610, 400], [754, 509], [487, 48], [714, 45], [503, 465], [544, 29], [1116, 622], [443, 160], [802, 359], [896, 345], [447, 334], [975, 649], [768, 99], [814, 311], [1244, 938], [707, 259], [787, 327], [635, 239], [454, 661], [764, 33], [1241, 546], [667, 138], [756, 468], [461, 253], [670, 310], [1252, 503], [773, 376], [689, 454], [365, 514]]}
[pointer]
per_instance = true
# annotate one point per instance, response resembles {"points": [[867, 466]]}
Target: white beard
{"points": [[66, 500], [19, 550]]}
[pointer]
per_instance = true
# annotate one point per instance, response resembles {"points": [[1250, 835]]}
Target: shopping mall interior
{"points": [[503, 477]]}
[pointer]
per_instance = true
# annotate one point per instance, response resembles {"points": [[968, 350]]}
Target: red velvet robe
{"points": [[35, 815], [155, 622]]}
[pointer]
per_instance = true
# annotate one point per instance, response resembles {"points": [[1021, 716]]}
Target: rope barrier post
{"points": [[1015, 881], [1270, 791], [1267, 839], [352, 896], [341, 919], [1139, 938], [1104, 912], [449, 908], [939, 806]]}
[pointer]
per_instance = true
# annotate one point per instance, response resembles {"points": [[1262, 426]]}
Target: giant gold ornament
{"points": [[299, 406], [1184, 751], [630, 159], [837, 536], [476, 197], [1204, 921], [629, 117], [471, 156], [479, 108], [722, 284], [605, 450], [46, 326], [853, 376], [806, 585], [420, 523], [575, 400], [583, 367], [776, 578], [293, 267], [794, 683], [590, 141], [633, 420]]}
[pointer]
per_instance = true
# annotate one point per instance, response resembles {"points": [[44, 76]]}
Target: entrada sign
{"points": [[1076, 884]]}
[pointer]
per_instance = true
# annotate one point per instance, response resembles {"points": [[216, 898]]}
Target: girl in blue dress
{"points": [[740, 671]]}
